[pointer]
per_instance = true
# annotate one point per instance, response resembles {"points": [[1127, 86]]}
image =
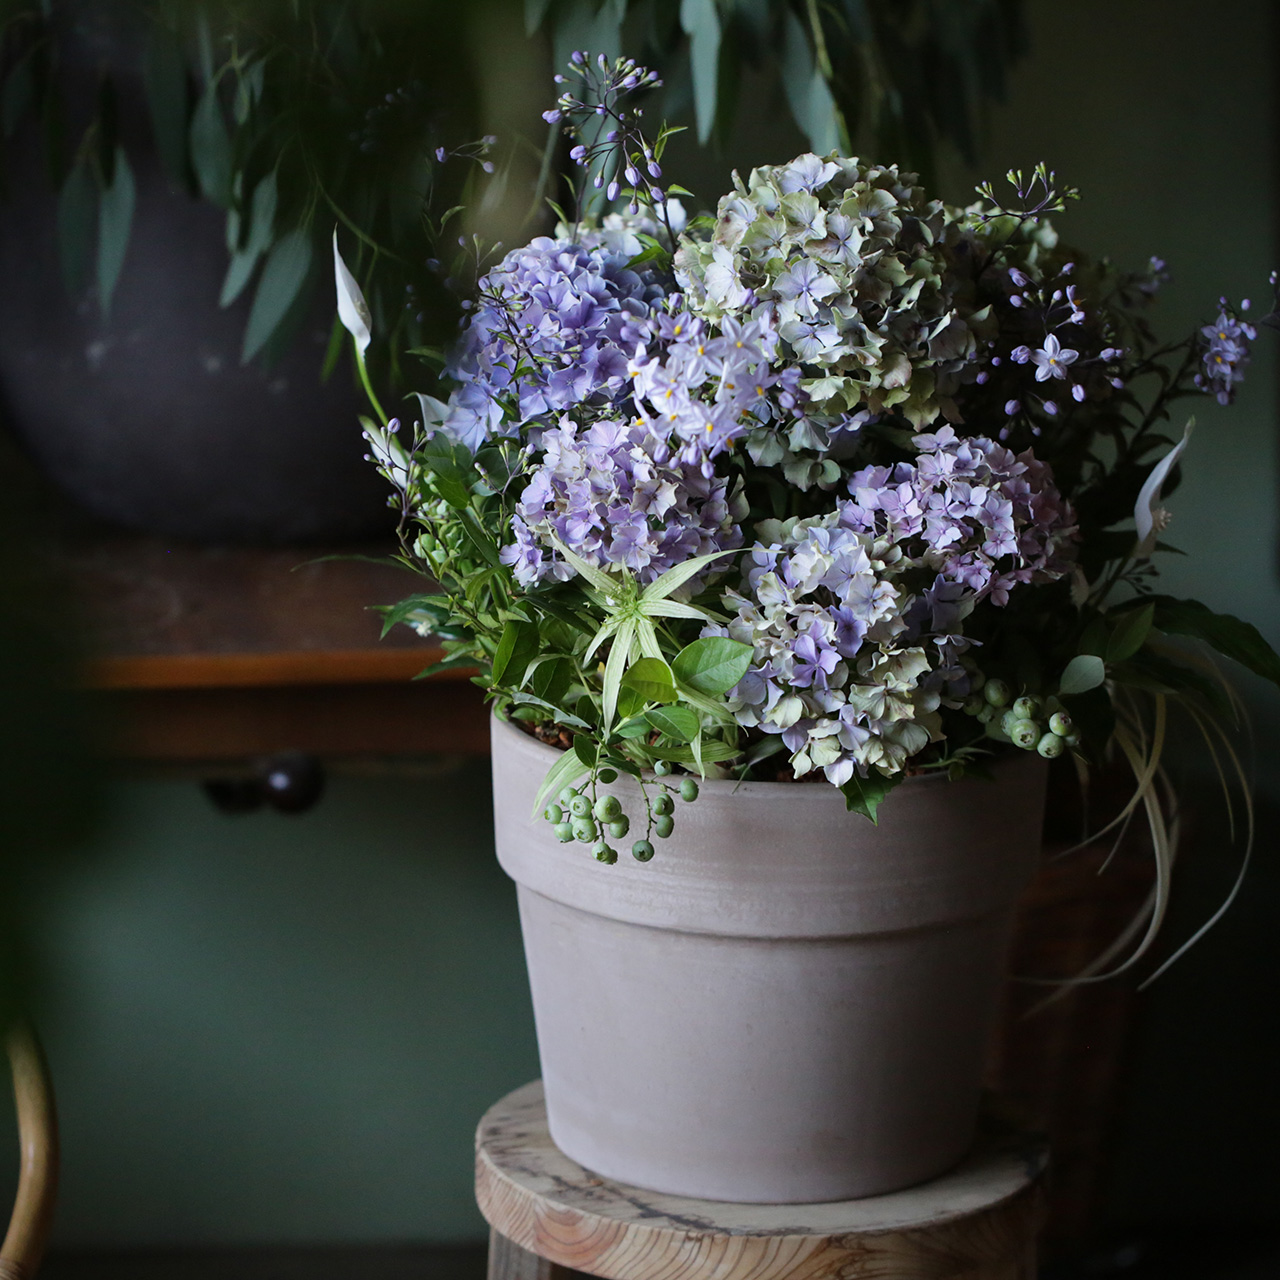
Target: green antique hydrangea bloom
{"points": [[872, 285]]}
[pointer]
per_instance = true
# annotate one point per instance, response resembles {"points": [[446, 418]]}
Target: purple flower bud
{"points": [[1020, 355], [633, 208], [612, 192], [1011, 407], [630, 82], [441, 153], [655, 194], [654, 170], [1244, 304], [577, 57], [1118, 383], [611, 136], [598, 181], [559, 79], [631, 175], [981, 379], [552, 117], [1018, 277], [1050, 408], [1077, 392], [996, 360], [487, 166], [1015, 300], [602, 62], [1068, 268], [578, 153]]}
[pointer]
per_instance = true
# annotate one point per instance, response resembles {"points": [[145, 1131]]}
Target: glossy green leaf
{"points": [[677, 723], [865, 795], [712, 665], [450, 466], [651, 679], [1129, 632], [283, 276], [517, 647], [1084, 672], [115, 221], [1230, 636]]}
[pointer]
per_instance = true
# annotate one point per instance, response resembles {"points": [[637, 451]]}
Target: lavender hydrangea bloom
{"points": [[1226, 353], [616, 494], [705, 387], [971, 511], [555, 311], [836, 672]]}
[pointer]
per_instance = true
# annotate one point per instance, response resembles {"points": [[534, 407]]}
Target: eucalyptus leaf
{"points": [[115, 221], [712, 665], [262, 215], [282, 280], [77, 220], [1084, 672], [211, 149], [700, 21]]}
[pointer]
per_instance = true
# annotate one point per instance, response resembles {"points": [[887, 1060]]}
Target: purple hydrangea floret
{"points": [[545, 336], [617, 495]]}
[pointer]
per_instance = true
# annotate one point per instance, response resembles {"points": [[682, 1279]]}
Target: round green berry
{"points": [[973, 704], [1008, 718], [1027, 708], [663, 826], [997, 693], [688, 789], [553, 814], [662, 803], [619, 827], [564, 832], [580, 806], [566, 795], [1024, 734], [585, 830], [642, 851], [976, 680], [1060, 723], [987, 714], [1051, 746], [604, 854], [662, 768], [607, 808]]}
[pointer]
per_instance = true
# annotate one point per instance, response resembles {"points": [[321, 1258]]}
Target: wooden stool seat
{"points": [[549, 1215]]}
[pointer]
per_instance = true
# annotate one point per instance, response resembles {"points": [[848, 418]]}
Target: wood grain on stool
{"points": [[977, 1222]]}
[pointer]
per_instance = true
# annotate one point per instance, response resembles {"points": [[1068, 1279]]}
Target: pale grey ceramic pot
{"points": [[788, 1004]]}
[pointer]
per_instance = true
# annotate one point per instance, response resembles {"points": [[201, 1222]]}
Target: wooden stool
{"points": [[550, 1217]]}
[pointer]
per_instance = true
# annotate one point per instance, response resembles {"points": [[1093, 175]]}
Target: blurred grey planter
{"points": [[149, 419], [787, 1005]]}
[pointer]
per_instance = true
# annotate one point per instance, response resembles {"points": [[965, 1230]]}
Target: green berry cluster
{"points": [[578, 813], [1034, 724]]}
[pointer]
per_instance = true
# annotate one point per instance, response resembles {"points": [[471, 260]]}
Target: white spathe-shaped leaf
{"points": [[1149, 496], [353, 310]]}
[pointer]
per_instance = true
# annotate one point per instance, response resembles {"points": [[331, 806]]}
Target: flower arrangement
{"points": [[839, 482]]}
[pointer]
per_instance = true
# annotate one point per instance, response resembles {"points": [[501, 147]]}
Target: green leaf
{"points": [[451, 469], [615, 666], [1084, 672], [211, 151], [534, 12], [551, 679], [808, 94], [712, 665], [262, 216], [663, 585], [651, 679], [586, 750], [454, 662], [164, 75], [282, 279], [479, 538], [1129, 632], [1240, 641], [566, 771], [680, 724], [632, 728], [865, 795], [713, 752], [701, 23], [115, 220], [77, 220], [517, 647]]}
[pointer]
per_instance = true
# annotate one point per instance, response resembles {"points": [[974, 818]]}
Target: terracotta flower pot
{"points": [[787, 1004]]}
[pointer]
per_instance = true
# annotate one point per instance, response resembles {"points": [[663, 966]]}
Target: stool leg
{"points": [[508, 1261]]}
